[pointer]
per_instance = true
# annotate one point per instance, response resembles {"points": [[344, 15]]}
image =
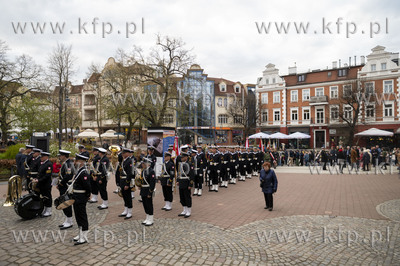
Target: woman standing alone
{"points": [[269, 184]]}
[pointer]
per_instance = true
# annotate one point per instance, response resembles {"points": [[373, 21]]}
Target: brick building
{"points": [[322, 103]]}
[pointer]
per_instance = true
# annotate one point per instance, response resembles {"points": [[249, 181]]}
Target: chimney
{"points": [[349, 60], [355, 60], [362, 60], [84, 81], [340, 63], [293, 70], [334, 64]]}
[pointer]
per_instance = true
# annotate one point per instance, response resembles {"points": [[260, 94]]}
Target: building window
{"points": [[168, 119], [369, 89], [342, 72], [388, 110], [319, 91], [277, 97], [277, 115], [383, 66], [264, 116], [306, 94], [264, 98], [333, 92], [219, 102], [238, 119], [294, 96], [388, 86], [294, 114], [347, 90], [77, 101], [273, 80], [370, 111], [222, 87], [373, 67], [170, 103], [320, 115], [237, 89], [334, 113], [225, 102], [266, 81], [222, 119], [301, 78], [347, 112], [306, 114]]}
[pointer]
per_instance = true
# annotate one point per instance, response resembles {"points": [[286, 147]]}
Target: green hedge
{"points": [[11, 151]]}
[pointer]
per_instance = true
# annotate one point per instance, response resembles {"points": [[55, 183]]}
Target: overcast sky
{"points": [[223, 34]]}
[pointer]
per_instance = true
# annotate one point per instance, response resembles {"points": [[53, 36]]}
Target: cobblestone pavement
{"points": [[286, 236]]}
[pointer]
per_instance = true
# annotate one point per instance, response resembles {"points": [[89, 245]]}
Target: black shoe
{"points": [[266, 208], [65, 227], [79, 243], [163, 208], [92, 201], [126, 218], [181, 214], [122, 215], [270, 209], [102, 208], [187, 216]]}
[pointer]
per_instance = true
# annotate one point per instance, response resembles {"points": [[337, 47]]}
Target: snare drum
{"points": [[64, 201]]}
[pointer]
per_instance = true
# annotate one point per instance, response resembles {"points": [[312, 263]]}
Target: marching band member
{"points": [[102, 177], [224, 167], [134, 162], [233, 163], [81, 193], [201, 168], [33, 164], [93, 180], [185, 182], [213, 168], [148, 181], [44, 182], [126, 176], [65, 179], [28, 159], [167, 180], [249, 163], [242, 155]]}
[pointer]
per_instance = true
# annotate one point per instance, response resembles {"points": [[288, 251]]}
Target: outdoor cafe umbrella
{"points": [[259, 135], [297, 136], [278, 136], [374, 132], [88, 133], [110, 134]]}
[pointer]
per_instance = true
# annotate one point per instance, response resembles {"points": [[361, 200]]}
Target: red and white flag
{"points": [[261, 145], [247, 143], [176, 145]]}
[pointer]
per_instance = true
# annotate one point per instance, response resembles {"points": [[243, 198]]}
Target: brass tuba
{"points": [[138, 178], [14, 190], [115, 149]]}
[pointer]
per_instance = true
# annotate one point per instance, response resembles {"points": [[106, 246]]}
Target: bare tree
{"points": [[245, 112], [17, 78], [60, 68], [157, 72], [355, 95]]}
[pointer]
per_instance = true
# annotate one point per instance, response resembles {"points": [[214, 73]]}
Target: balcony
{"points": [[319, 100]]}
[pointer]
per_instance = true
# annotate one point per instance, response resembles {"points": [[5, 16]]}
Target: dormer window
{"points": [[301, 78], [222, 87], [273, 80], [237, 88]]}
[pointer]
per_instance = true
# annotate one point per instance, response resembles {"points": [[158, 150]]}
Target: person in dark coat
{"points": [[20, 160], [269, 184]]}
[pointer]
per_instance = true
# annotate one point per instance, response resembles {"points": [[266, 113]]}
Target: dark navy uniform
{"points": [[44, 182], [148, 181], [233, 164], [199, 171], [81, 194], [93, 183], [153, 159], [126, 176], [65, 178], [102, 177], [214, 167], [242, 155], [167, 180], [186, 182], [224, 168]]}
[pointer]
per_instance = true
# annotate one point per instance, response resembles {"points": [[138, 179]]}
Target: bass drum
{"points": [[63, 201], [29, 206]]}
